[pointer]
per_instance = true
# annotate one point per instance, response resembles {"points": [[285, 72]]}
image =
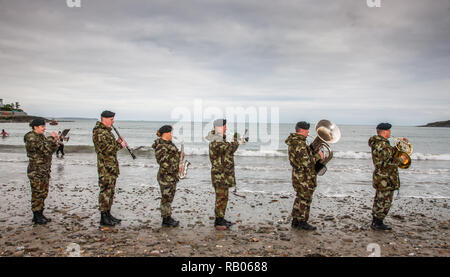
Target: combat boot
{"points": [[170, 222], [38, 219], [227, 223], [378, 224], [106, 220], [113, 219], [294, 223], [303, 225], [41, 212], [220, 222]]}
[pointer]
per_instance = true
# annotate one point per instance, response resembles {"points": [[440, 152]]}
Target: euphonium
{"points": [[403, 149], [327, 132]]}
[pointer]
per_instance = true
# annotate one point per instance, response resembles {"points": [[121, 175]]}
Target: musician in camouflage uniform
{"points": [[39, 151], [168, 158], [106, 147], [304, 177], [221, 155], [385, 176]]}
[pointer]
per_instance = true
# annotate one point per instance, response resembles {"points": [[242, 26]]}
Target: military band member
{"points": [[385, 176], [221, 155], [39, 151], [168, 158], [304, 177], [106, 147]]}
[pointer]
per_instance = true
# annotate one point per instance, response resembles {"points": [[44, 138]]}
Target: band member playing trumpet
{"points": [[221, 155], [385, 176], [39, 151], [168, 158], [304, 177], [106, 147]]}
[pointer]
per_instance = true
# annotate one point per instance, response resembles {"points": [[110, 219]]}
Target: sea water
{"points": [[262, 165]]}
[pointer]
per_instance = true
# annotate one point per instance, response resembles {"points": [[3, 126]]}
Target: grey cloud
{"points": [[335, 54]]}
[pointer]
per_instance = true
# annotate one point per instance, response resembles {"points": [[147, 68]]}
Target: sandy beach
{"points": [[262, 225]]}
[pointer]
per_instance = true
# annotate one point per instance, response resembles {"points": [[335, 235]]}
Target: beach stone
{"points": [[18, 253], [155, 253], [328, 218], [347, 239]]}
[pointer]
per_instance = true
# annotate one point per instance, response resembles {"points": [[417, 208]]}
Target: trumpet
{"points": [[403, 149], [327, 132], [184, 164]]}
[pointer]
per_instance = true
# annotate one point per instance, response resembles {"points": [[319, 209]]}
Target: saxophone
{"points": [[184, 164]]}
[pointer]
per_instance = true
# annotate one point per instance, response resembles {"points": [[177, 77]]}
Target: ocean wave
{"points": [[204, 151]]}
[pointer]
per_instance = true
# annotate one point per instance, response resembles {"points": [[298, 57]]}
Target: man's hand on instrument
{"points": [[122, 142], [183, 155], [405, 139], [322, 155], [54, 135]]}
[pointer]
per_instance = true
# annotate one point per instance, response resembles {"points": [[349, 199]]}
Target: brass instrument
{"points": [[327, 132], [183, 163], [403, 149]]}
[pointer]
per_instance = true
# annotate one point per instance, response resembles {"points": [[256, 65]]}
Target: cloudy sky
{"points": [[315, 59]]}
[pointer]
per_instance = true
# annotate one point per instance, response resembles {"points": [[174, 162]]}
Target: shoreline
{"points": [[262, 225]]}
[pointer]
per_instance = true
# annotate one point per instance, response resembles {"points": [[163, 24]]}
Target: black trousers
{"points": [[60, 149]]}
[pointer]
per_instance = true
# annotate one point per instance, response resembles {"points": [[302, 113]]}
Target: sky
{"points": [[145, 59]]}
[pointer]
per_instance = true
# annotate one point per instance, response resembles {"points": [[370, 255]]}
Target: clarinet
{"points": [[128, 148]]}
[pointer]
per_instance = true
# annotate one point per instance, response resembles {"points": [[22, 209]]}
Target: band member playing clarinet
{"points": [[39, 150], [168, 158], [385, 176], [304, 177], [106, 147]]}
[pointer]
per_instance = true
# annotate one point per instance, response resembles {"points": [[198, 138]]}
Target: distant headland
{"points": [[437, 124]]}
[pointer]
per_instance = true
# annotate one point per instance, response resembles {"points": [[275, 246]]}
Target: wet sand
{"points": [[262, 225]]}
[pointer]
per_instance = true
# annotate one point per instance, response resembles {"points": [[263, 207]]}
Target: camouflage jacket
{"points": [[385, 175], [302, 159], [168, 158], [221, 155], [106, 147], [39, 151]]}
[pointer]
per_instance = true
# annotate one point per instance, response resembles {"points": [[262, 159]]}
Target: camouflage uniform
{"points": [[304, 177], [39, 151], [385, 175], [106, 147], [221, 155], [168, 158]]}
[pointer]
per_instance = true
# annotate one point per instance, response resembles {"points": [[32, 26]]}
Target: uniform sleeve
{"points": [[50, 145], [35, 145], [227, 147], [163, 157], [105, 143], [299, 156], [384, 155]]}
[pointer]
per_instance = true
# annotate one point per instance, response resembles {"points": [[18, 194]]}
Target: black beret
{"points": [[37, 122], [384, 126], [165, 129], [108, 114], [220, 122], [302, 125]]}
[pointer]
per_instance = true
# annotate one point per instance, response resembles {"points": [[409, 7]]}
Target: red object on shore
{"points": [[53, 122]]}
